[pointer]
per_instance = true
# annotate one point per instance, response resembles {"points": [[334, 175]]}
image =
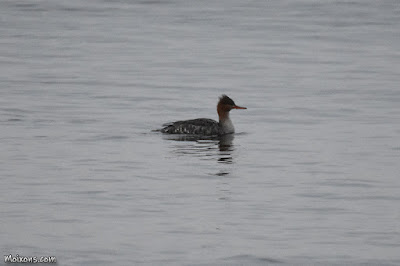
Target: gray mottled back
{"points": [[200, 126]]}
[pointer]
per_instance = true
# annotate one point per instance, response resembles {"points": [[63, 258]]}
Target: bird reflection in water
{"points": [[226, 148], [205, 146]]}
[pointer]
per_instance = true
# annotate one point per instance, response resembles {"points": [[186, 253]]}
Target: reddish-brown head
{"points": [[226, 104]]}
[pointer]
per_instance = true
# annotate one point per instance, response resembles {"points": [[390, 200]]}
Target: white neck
{"points": [[226, 125]]}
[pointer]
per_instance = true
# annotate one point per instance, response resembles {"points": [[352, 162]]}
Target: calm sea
{"points": [[311, 177]]}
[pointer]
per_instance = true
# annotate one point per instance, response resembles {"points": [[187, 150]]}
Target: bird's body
{"points": [[199, 126], [205, 126]]}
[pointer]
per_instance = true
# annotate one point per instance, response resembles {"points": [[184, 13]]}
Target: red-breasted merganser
{"points": [[205, 126]]}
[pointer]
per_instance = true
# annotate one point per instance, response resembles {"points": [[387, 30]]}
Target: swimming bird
{"points": [[205, 126]]}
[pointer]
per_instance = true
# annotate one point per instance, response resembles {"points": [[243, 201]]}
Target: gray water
{"points": [[310, 177]]}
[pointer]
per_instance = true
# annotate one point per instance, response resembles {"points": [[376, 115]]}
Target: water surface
{"points": [[311, 177]]}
